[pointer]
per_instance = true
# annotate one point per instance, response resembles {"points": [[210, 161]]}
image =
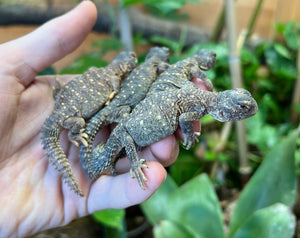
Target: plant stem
{"points": [[235, 72], [253, 19], [296, 94], [225, 133], [216, 35], [125, 28]]}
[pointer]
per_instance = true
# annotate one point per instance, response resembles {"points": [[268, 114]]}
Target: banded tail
{"points": [[50, 140]]}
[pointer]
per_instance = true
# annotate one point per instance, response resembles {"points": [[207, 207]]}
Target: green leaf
{"points": [[127, 3], [186, 167], [290, 36], [110, 217], [48, 71], [282, 50], [167, 6], [196, 207], [275, 221], [169, 229], [280, 66], [172, 44], [83, 63], [155, 208], [261, 134], [279, 27], [106, 45], [275, 181]]}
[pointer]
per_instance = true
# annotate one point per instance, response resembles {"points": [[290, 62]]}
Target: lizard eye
{"points": [[243, 107]]}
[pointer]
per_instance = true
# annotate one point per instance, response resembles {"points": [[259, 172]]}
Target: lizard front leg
{"points": [[185, 122], [198, 73], [115, 83]]}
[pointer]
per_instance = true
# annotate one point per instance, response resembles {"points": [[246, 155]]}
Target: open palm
{"points": [[32, 195]]}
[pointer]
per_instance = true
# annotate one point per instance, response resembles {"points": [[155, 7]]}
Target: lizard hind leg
{"points": [[136, 164], [76, 126]]}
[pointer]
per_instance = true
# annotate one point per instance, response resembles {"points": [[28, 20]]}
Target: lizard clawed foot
{"points": [[81, 137], [136, 171], [208, 84], [189, 140]]}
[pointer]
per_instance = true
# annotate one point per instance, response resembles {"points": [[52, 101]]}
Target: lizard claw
{"points": [[197, 134], [84, 135], [189, 141], [208, 84], [74, 142], [83, 141], [136, 171]]}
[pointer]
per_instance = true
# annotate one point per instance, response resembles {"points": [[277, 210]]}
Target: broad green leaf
{"points": [[196, 207], [169, 229], [110, 217], [186, 167], [275, 181], [155, 208], [290, 36], [276, 221]]}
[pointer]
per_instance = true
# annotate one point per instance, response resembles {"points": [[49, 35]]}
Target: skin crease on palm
{"points": [[33, 197]]}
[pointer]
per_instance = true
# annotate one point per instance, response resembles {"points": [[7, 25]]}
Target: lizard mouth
{"points": [[222, 116]]}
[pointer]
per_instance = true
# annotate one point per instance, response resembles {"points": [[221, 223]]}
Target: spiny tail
{"points": [[50, 141], [92, 128]]}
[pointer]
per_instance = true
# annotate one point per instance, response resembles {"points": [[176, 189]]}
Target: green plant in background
{"points": [[112, 221], [163, 8], [94, 58], [262, 210]]}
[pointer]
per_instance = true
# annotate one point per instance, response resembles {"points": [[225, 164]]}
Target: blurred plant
{"points": [[94, 58], [163, 8], [262, 210], [112, 221]]}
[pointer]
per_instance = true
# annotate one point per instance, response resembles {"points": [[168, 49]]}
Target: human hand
{"points": [[32, 194]]}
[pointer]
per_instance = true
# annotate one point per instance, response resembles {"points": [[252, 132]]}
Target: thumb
{"points": [[34, 52]]}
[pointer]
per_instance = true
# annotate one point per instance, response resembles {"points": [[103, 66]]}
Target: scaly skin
{"points": [[174, 77], [183, 71], [159, 115], [77, 101], [134, 89]]}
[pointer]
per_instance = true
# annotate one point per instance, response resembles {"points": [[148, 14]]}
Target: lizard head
{"points": [[124, 62], [233, 105], [206, 59], [162, 53]]}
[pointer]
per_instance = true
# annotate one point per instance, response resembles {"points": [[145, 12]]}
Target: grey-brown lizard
{"points": [[159, 115], [175, 77], [133, 89], [77, 101], [182, 71]]}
